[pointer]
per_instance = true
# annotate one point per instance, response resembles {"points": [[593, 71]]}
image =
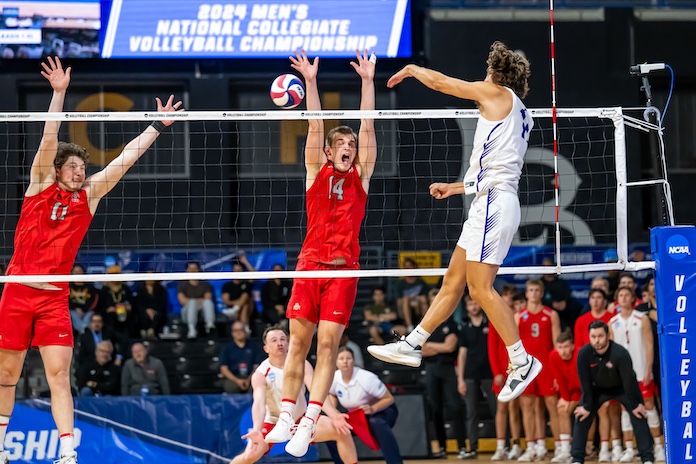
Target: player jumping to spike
{"points": [[500, 142], [338, 178], [58, 207]]}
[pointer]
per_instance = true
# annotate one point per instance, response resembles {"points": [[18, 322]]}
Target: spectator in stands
{"points": [[649, 308], [87, 341], [237, 293], [194, 296], [143, 370], [563, 364], [598, 311], [602, 284], [117, 307], [557, 296], [411, 293], [83, 301], [381, 318], [274, 297], [505, 412], [355, 348], [643, 275], [238, 360], [356, 388], [519, 302], [439, 356], [539, 326], [152, 303], [474, 375], [99, 376]]}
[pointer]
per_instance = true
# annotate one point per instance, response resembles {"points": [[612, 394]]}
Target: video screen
{"points": [[36, 29], [255, 28]]}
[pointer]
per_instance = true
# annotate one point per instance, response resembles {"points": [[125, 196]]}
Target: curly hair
{"points": [[66, 150], [509, 68]]}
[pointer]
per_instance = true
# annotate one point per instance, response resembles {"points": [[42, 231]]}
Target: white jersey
{"points": [[363, 388], [499, 148], [274, 393], [628, 332]]}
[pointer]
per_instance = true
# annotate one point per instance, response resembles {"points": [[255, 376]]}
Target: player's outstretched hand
{"points": [[53, 72], [365, 67], [255, 437], [400, 76], [640, 412], [301, 63], [340, 422], [169, 107], [441, 190], [581, 413]]}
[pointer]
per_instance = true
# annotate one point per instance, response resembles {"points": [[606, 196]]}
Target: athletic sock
{"points": [[605, 446], [517, 353], [67, 444], [628, 445], [313, 410], [657, 440], [615, 442], [417, 337], [500, 444], [287, 406]]}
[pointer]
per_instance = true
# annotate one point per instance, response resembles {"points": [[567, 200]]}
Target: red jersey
{"points": [[497, 352], [565, 373], [49, 232], [335, 211], [536, 332], [581, 334]]}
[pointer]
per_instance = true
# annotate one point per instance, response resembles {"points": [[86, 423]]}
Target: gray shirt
{"points": [[151, 373]]}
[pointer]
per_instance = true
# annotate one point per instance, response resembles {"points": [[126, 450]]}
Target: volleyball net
{"points": [[216, 184]]}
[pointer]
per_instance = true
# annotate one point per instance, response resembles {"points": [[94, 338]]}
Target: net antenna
{"points": [[554, 122]]}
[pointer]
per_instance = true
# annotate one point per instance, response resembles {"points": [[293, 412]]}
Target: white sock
{"points": [[313, 410], [418, 337], [500, 444], [605, 446], [565, 442], [67, 444], [517, 353], [287, 406], [4, 420], [556, 445], [657, 440], [541, 442], [628, 445], [615, 442]]}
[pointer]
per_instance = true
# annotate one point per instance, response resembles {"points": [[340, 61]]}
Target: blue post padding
{"points": [[675, 290]]}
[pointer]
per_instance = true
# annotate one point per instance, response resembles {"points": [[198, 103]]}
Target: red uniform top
{"points": [[565, 373], [497, 352], [536, 333], [49, 232], [335, 211], [582, 327]]}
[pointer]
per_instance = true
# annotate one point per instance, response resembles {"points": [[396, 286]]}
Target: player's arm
{"points": [[258, 407], [102, 182], [42, 166], [314, 146], [441, 190], [648, 342], [555, 326], [367, 141], [477, 91]]}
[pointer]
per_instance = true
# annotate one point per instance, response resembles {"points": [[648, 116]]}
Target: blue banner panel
{"points": [[675, 285], [255, 28], [186, 429]]}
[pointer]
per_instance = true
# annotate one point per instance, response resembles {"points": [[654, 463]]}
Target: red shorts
{"points": [[575, 395], [542, 385], [34, 317], [496, 389], [647, 390], [321, 299]]}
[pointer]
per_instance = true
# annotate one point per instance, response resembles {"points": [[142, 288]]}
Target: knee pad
{"points": [[653, 418], [626, 422]]}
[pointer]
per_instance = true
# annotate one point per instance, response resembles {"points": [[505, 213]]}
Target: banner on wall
{"points": [[254, 28], [675, 290]]}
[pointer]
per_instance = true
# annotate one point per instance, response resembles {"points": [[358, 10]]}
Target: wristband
{"points": [[158, 126]]}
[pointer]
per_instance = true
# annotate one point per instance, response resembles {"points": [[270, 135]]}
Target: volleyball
{"points": [[287, 91]]}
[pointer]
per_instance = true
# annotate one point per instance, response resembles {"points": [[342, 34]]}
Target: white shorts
{"points": [[493, 220]]}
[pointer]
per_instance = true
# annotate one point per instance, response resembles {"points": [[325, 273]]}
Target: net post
{"points": [[621, 187], [674, 286]]}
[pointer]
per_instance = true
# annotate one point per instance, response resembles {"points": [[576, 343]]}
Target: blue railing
{"points": [[562, 3]]}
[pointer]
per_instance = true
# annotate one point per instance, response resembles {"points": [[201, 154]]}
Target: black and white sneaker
{"points": [[399, 352], [519, 377]]}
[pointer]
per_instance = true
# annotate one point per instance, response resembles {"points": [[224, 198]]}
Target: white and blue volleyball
{"points": [[287, 91]]}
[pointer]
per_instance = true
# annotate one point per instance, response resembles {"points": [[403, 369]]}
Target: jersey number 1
{"points": [[59, 212], [336, 188]]}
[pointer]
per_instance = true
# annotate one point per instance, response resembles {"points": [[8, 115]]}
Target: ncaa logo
{"points": [[340, 394], [271, 375], [678, 247]]}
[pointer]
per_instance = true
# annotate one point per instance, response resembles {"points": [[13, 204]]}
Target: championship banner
{"points": [[254, 28], [182, 429], [675, 284]]}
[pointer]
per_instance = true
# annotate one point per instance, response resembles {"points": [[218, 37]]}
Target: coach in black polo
{"points": [[606, 373]]}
